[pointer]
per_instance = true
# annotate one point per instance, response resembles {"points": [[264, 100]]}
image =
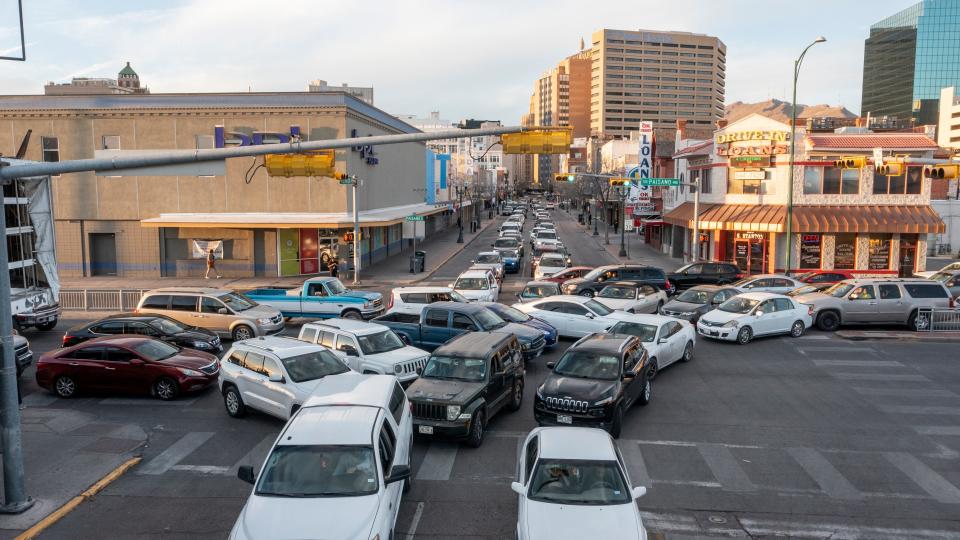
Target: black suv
{"points": [[465, 382], [155, 326], [705, 273], [594, 383], [595, 280]]}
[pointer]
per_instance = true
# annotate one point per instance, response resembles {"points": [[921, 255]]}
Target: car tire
{"points": [[233, 402], [588, 293], [65, 386], [516, 396], [797, 328], [166, 389], [617, 425], [744, 335], [687, 352], [644, 398], [47, 325], [828, 321], [475, 438], [352, 314], [659, 307], [242, 332], [653, 369], [916, 323]]}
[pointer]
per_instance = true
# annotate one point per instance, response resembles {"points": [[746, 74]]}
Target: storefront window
{"points": [[739, 186], [841, 181], [845, 252], [909, 183], [879, 258], [811, 180], [810, 251]]}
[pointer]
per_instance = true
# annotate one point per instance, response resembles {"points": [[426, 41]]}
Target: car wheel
{"points": [[233, 402], [645, 393], [917, 323], [47, 325], [617, 425], [659, 307], [65, 386], [516, 397], [242, 332], [587, 293], [475, 439], [744, 335], [687, 352], [653, 369], [797, 329], [828, 321], [352, 315], [166, 388]]}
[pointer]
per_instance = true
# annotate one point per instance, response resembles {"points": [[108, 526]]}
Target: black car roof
{"points": [[132, 316], [604, 342], [473, 344]]}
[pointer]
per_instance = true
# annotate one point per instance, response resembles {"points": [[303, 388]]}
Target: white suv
{"points": [[274, 375], [367, 347], [412, 300], [339, 466], [478, 284]]}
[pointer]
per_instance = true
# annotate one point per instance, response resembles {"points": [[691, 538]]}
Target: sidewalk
{"points": [[638, 252]]}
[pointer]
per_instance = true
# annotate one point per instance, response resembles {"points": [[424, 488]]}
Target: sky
{"points": [[464, 59]]}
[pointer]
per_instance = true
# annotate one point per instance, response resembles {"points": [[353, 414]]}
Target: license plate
{"points": [[712, 333], [42, 320], [564, 419], [425, 430]]}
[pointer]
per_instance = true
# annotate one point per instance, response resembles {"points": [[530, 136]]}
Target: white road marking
{"points": [[917, 392], [836, 531], [180, 449], [919, 409], [725, 467], [636, 466], [925, 477], [880, 377], [857, 363], [938, 430], [438, 463], [812, 349], [416, 521], [690, 444], [203, 469], [824, 474], [147, 402], [255, 456]]}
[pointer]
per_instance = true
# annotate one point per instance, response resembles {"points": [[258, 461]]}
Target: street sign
{"points": [[659, 181], [878, 156], [346, 181], [414, 218]]}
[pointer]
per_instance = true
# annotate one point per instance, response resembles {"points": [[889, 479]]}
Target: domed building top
{"points": [[128, 71]]}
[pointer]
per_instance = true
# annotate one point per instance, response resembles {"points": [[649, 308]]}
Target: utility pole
{"points": [[356, 233], [695, 186], [623, 220], [460, 213]]}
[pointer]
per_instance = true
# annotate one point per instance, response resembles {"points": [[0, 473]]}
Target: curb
{"points": [[953, 337]]}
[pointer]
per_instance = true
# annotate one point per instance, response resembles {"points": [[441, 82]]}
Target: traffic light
{"points": [[941, 171], [337, 175], [892, 168], [619, 182], [538, 141], [564, 177], [319, 163], [850, 162]]}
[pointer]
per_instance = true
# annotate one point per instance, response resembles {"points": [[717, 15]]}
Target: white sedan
{"points": [[573, 316], [772, 283], [572, 484], [549, 264], [749, 315], [632, 297], [667, 340]]}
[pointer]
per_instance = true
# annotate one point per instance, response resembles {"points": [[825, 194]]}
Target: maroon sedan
{"points": [[569, 273], [825, 276], [127, 364]]}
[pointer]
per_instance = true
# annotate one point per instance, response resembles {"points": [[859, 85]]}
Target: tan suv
{"points": [[876, 300], [228, 314]]}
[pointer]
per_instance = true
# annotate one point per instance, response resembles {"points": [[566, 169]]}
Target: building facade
{"points": [[908, 58], [948, 124], [851, 219], [363, 93], [159, 222], [127, 82]]}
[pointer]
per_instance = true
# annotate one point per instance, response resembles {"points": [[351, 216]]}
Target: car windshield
{"points": [[380, 342], [313, 365], [694, 297], [319, 471], [472, 284], [646, 332], [617, 292], [539, 291], [839, 289], [578, 482], [506, 243], [457, 369], [588, 365], [488, 319], [155, 350], [804, 276], [511, 253], [509, 314], [336, 287], [167, 326], [552, 260], [488, 259], [738, 304], [942, 277], [597, 307], [237, 302]]}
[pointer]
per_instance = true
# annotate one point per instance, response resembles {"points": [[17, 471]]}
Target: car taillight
{"points": [[741, 275], [66, 341], [390, 302], [667, 284]]}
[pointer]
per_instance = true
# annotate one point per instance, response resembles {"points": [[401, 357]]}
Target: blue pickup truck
{"points": [[321, 298], [441, 321]]}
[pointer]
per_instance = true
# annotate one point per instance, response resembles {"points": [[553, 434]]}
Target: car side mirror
{"points": [[517, 487], [398, 473], [591, 315], [276, 377], [638, 492], [245, 473], [223, 311], [136, 362], [350, 350], [551, 365], [661, 341]]}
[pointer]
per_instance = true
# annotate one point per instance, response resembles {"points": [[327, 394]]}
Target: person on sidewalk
{"points": [[211, 265], [332, 267]]}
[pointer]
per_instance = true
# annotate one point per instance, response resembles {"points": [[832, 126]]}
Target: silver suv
{"points": [[878, 300], [224, 312]]}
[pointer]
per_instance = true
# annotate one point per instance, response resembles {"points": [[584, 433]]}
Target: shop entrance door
{"points": [[741, 255], [757, 256], [750, 255], [908, 254], [103, 254]]}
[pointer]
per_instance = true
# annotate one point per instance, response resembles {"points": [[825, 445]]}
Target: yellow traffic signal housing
{"points": [[319, 163], [564, 177], [619, 182], [941, 171], [538, 141], [893, 168], [337, 175], [850, 162]]}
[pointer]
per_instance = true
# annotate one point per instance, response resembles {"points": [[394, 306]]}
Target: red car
{"points": [[127, 364], [570, 273], [825, 276]]}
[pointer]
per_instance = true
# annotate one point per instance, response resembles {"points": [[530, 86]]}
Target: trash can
{"points": [[418, 261], [580, 218]]}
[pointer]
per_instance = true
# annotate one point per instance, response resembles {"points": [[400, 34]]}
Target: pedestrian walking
{"points": [[211, 265], [332, 267]]}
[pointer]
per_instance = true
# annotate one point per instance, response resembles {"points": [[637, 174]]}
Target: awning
{"points": [[730, 217], [867, 219], [380, 217]]}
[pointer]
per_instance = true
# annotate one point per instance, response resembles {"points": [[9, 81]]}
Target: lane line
{"points": [[917, 392], [824, 474], [857, 363], [147, 402], [919, 409], [725, 467], [180, 449], [840, 349], [925, 477], [255, 456], [438, 462], [416, 521], [938, 430], [879, 377], [636, 466]]}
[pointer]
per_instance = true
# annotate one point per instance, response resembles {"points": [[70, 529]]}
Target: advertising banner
{"points": [[200, 248]]}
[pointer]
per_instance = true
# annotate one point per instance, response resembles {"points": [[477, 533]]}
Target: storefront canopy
{"points": [[730, 217], [380, 217]]}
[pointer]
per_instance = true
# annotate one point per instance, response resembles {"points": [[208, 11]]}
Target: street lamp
{"points": [[793, 145], [460, 190], [623, 191]]}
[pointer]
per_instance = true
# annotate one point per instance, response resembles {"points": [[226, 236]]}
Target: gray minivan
{"points": [[875, 300], [228, 314]]}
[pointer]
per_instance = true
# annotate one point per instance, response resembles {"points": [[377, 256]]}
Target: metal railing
{"points": [[938, 320], [100, 299]]}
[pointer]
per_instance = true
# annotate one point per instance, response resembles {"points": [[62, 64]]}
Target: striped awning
{"points": [[730, 217], [867, 219]]}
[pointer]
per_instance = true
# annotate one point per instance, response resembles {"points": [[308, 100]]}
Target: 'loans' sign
{"points": [[644, 162]]}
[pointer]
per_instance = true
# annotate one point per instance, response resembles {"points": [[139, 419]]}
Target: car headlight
{"points": [[367, 304], [453, 411], [525, 346], [189, 372], [201, 345], [264, 321], [605, 401], [540, 392], [398, 369], [731, 324]]}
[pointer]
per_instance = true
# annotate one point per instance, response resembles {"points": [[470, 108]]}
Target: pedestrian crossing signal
{"points": [[319, 163]]}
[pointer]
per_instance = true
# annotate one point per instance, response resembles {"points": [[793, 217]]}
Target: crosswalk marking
{"points": [[880, 377], [812, 349], [176, 452], [636, 466], [762, 527], [918, 392], [438, 462], [925, 477], [857, 363], [824, 474], [915, 409], [725, 467], [255, 456], [938, 430]]}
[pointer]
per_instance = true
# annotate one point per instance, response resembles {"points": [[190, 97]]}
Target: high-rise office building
{"points": [[657, 76], [909, 57]]}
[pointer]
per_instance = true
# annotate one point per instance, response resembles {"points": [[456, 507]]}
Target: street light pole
{"points": [[356, 233], [623, 220], [793, 145]]}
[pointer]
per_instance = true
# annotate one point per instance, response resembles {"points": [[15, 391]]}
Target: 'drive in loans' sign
{"points": [[644, 159]]}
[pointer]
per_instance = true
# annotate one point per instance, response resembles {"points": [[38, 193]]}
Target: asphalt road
{"points": [[813, 437]]}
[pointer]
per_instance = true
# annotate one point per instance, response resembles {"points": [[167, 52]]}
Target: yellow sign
{"points": [[753, 136]]}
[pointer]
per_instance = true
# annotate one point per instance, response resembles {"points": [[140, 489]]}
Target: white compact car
{"points": [[632, 297], [667, 340], [549, 264], [274, 375], [367, 347], [412, 300], [749, 315], [477, 285], [490, 260], [338, 468], [772, 283], [573, 316], [572, 484]]}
